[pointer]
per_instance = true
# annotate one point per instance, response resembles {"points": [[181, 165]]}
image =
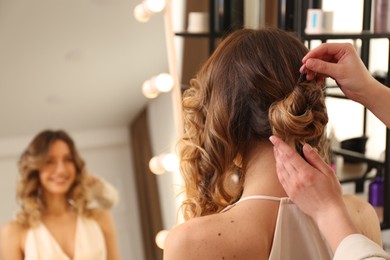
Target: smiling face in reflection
{"points": [[58, 172]]}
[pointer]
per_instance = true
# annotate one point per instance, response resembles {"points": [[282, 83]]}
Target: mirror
{"points": [[78, 65]]}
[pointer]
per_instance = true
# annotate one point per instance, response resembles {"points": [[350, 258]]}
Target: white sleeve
{"points": [[359, 247], [110, 193], [104, 194]]}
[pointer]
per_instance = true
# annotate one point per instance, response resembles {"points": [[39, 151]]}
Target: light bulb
{"points": [[155, 5], [160, 238], [141, 13], [164, 82], [149, 90], [155, 165], [170, 162]]}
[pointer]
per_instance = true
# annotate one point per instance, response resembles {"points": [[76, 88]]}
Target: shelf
{"points": [[334, 92], [223, 18], [350, 172], [358, 157], [336, 95], [199, 35], [364, 35], [358, 172]]}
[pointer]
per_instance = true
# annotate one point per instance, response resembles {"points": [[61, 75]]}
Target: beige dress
{"points": [[296, 236], [89, 243]]}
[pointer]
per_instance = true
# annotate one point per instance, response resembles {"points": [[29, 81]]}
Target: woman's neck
{"points": [[56, 204], [260, 177]]}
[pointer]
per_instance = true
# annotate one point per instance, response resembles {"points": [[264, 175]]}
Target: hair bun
{"points": [[300, 117]]}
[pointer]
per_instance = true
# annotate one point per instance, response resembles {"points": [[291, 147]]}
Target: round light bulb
{"points": [[170, 162], [235, 178], [160, 238], [155, 5], [149, 90], [155, 165], [141, 14], [164, 82]]}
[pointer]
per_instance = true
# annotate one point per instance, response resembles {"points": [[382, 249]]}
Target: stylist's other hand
{"points": [[312, 185], [315, 189], [341, 62]]}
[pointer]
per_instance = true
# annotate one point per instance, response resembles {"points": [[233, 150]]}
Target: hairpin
{"points": [[302, 78]]}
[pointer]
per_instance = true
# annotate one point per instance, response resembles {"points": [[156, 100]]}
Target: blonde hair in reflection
{"points": [[29, 188]]}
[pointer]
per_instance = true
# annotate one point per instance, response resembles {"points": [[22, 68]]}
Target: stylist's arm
{"points": [[314, 187]]}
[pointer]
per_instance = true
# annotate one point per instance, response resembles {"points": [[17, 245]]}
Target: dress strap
{"points": [[253, 197]]}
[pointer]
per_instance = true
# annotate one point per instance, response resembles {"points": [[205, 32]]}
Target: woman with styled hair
{"points": [[235, 208], [55, 221]]}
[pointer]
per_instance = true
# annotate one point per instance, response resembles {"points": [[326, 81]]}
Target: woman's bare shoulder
{"points": [[13, 227], [100, 215], [359, 206], [191, 240], [12, 237], [364, 217], [218, 236]]}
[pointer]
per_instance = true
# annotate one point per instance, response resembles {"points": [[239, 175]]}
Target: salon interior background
{"points": [[80, 65]]}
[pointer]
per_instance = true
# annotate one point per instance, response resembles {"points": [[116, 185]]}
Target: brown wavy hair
{"points": [[29, 187], [245, 92]]}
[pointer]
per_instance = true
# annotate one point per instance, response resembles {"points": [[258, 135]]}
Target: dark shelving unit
{"points": [[297, 24], [224, 17]]}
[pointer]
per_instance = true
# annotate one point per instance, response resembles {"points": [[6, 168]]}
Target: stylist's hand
{"points": [[311, 185], [315, 189], [341, 62]]}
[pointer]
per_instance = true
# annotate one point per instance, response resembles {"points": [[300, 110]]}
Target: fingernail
{"points": [[302, 69], [307, 147], [272, 139]]}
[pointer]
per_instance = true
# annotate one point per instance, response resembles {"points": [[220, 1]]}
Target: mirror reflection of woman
{"points": [[54, 221]]}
